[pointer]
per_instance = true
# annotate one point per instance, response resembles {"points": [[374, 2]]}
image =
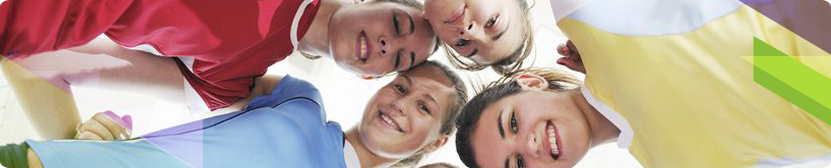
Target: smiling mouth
{"points": [[362, 47], [554, 144], [388, 121]]}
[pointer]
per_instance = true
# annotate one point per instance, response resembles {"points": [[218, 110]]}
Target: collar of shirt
{"points": [[350, 156], [563, 8], [624, 140]]}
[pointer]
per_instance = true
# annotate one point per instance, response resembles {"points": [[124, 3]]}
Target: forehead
{"points": [[489, 148], [428, 75], [431, 80]]}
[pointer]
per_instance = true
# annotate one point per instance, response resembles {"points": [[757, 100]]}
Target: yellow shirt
{"points": [[689, 95]]}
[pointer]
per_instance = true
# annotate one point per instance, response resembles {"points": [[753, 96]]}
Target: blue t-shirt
{"points": [[285, 129]]}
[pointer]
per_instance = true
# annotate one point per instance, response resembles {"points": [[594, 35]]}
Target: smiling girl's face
{"points": [[534, 128], [380, 37], [484, 31], [407, 114]]}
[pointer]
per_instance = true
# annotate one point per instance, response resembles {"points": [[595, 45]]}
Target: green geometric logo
{"points": [[792, 80]]}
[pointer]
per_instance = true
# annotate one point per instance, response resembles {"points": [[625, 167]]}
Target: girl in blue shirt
{"points": [[287, 127]]}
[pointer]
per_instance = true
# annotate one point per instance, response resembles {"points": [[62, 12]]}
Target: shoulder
{"points": [[277, 91]]}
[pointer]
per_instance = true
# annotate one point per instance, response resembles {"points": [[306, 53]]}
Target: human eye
{"points": [[520, 162], [425, 108], [514, 127], [395, 24], [491, 21], [400, 89]]}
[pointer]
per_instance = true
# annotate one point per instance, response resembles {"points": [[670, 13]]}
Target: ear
{"points": [[435, 145], [531, 81]]}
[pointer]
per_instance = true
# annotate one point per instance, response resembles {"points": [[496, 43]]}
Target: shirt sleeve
{"points": [[288, 88], [31, 26], [83, 153]]}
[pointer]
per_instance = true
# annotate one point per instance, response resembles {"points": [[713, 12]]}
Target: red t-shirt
{"points": [[223, 44]]}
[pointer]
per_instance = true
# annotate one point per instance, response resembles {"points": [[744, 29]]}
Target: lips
{"points": [[362, 47], [389, 122], [553, 143], [456, 17]]}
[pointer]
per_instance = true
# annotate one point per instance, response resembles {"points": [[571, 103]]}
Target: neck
{"points": [[316, 39], [367, 158], [602, 130]]}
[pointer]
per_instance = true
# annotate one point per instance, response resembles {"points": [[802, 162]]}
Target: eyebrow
{"points": [[397, 61], [499, 121], [412, 59], [407, 78]]}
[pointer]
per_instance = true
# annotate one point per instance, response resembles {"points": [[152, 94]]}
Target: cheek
{"points": [[482, 7], [339, 40], [446, 35], [576, 138], [372, 107], [424, 128]]}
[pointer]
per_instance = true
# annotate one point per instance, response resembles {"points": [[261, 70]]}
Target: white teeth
{"points": [[363, 47], [389, 121], [552, 139]]}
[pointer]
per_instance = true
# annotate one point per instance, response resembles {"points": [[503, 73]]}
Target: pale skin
{"points": [[524, 119], [369, 159], [127, 70], [484, 31], [379, 145]]}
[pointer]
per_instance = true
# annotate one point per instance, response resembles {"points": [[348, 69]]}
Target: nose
{"points": [[399, 106], [389, 46], [385, 46], [532, 146], [469, 30]]}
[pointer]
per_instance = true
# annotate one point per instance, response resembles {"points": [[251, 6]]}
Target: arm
{"points": [[46, 96], [32, 26], [34, 160], [39, 99]]}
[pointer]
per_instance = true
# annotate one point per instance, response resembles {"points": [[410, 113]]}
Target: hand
{"points": [[571, 57], [105, 126]]}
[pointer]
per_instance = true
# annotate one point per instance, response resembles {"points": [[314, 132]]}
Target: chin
{"points": [[346, 66]]}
